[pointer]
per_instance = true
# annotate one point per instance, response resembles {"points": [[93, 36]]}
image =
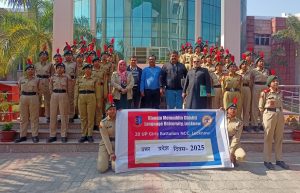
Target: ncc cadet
{"points": [[59, 102], [56, 57], [235, 128], [107, 67], [197, 50], [107, 143], [246, 92], [271, 107], [114, 56], [259, 77], [217, 76], [249, 60], [182, 52], [44, 70], [29, 103], [232, 87], [87, 96], [208, 64], [187, 57], [70, 69], [79, 63], [98, 74]]}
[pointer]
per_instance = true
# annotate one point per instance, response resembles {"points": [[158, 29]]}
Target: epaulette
{"points": [[266, 90]]}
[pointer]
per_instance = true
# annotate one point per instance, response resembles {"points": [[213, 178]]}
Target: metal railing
{"points": [[291, 99]]}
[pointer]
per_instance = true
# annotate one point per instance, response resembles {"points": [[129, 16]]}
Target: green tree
{"points": [[291, 32], [23, 34]]}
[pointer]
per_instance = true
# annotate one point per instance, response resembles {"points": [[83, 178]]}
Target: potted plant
{"points": [[6, 133], [16, 111]]}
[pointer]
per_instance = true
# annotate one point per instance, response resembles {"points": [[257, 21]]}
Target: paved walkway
{"points": [[76, 172]]}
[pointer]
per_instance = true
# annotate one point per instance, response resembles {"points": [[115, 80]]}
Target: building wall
{"points": [[280, 56]]}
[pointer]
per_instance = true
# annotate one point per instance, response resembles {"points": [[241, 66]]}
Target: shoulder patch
{"points": [[266, 90]]}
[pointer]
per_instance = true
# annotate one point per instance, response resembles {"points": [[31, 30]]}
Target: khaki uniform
{"points": [[115, 60], [235, 128], [270, 104], [29, 105], [259, 78], [231, 88], [71, 71], [186, 59], [210, 67], [107, 68], [99, 75], [59, 101], [87, 96], [107, 144], [217, 99], [79, 71], [246, 96], [44, 72]]}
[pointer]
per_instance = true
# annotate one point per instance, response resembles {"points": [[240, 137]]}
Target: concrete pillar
{"points": [[62, 23], [231, 27], [93, 16], [198, 19]]}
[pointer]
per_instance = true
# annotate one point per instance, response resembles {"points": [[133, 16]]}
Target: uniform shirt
{"points": [[28, 85], [270, 99], [70, 69], [107, 68], [246, 77], [229, 82], [210, 67], [79, 71], [99, 75], [107, 131], [258, 75], [186, 60], [235, 128], [58, 82], [44, 68], [84, 83], [150, 78], [216, 78]]}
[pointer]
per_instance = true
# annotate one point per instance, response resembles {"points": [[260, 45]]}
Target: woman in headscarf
{"points": [[122, 83]]}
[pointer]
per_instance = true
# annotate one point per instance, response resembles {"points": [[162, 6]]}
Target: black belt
{"points": [[59, 91], [217, 86], [73, 77], [245, 84], [43, 76], [232, 89], [86, 92], [274, 109], [28, 93], [260, 83]]}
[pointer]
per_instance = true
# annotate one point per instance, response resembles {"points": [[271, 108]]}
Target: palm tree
{"points": [[23, 34], [291, 32], [17, 3]]}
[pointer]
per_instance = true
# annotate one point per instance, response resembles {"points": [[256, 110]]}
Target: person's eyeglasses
{"points": [[196, 61]]}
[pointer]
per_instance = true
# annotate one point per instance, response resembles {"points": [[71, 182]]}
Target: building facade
{"points": [[281, 56], [145, 27]]}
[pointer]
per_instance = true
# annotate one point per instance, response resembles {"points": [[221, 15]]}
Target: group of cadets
{"points": [[79, 83]]}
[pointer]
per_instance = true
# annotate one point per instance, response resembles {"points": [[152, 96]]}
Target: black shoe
{"points": [[269, 165], [75, 116], [71, 120], [82, 139], [48, 119], [21, 139], [59, 121], [35, 139], [96, 128], [256, 128], [282, 165], [90, 139], [247, 128], [64, 140], [261, 128], [51, 139]]}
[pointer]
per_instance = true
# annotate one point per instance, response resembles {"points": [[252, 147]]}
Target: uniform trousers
{"points": [[29, 112], [87, 107], [104, 158], [274, 125], [59, 102]]}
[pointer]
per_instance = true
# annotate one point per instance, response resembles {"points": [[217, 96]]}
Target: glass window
{"points": [[110, 27], [191, 10], [191, 29], [118, 27], [146, 27], [110, 11], [119, 10], [99, 27], [99, 8], [137, 27], [146, 42], [147, 8], [136, 42]]}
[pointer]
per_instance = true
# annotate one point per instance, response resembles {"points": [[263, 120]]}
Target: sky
{"points": [[266, 7]]}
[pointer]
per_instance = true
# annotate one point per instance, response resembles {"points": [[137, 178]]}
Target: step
{"points": [[257, 145], [287, 134], [74, 146]]}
